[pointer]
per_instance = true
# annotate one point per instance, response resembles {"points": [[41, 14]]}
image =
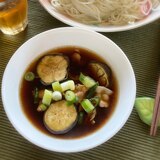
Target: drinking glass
{"points": [[13, 16]]}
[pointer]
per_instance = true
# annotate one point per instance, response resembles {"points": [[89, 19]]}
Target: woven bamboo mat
{"points": [[132, 142]]}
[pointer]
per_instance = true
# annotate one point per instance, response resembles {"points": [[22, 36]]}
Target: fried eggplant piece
{"points": [[52, 68], [60, 118], [100, 72]]}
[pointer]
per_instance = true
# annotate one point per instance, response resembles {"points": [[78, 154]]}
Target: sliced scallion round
{"points": [[87, 105], [95, 101], [29, 76], [70, 97]]}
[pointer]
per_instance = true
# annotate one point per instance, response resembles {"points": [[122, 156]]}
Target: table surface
{"points": [[132, 142]]}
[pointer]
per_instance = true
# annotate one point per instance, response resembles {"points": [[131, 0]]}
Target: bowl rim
{"points": [[74, 149], [46, 5]]}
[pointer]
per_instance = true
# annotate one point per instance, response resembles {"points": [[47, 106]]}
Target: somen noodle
{"points": [[110, 12]]}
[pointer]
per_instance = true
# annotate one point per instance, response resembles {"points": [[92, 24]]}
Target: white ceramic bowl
{"points": [[47, 6], [71, 36]]}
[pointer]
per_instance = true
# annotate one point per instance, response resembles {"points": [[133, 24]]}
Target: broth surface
{"points": [[36, 118]]}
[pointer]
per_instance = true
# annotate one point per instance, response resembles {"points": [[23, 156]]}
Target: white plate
{"points": [[47, 6]]}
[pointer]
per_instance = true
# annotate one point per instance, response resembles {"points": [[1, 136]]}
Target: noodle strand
{"points": [[101, 12]]}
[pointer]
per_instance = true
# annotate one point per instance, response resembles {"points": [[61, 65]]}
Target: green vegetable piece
{"points": [[29, 76], [87, 105], [144, 107], [90, 93], [68, 85], [36, 95], [80, 118], [41, 107], [70, 97], [71, 102], [86, 80], [95, 101], [47, 97], [56, 86]]}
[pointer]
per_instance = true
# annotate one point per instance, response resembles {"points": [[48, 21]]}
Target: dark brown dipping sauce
{"points": [[36, 118]]}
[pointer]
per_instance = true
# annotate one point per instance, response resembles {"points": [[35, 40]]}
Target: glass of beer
{"points": [[13, 16]]}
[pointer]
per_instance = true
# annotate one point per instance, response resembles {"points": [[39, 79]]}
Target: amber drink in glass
{"points": [[13, 16]]}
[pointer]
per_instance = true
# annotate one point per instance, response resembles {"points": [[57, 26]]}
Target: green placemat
{"points": [[133, 141]]}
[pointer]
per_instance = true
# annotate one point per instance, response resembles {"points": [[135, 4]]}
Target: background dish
{"points": [[47, 6], [49, 40]]}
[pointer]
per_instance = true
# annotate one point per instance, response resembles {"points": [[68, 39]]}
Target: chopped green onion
{"points": [[56, 86], [68, 85], [41, 107], [36, 95], [77, 99], [80, 117], [95, 101], [70, 97], [47, 97], [91, 91], [87, 105], [71, 102], [86, 80], [56, 95], [29, 76]]}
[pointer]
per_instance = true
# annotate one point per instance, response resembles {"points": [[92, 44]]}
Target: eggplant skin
{"points": [[101, 72], [60, 118], [52, 68]]}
